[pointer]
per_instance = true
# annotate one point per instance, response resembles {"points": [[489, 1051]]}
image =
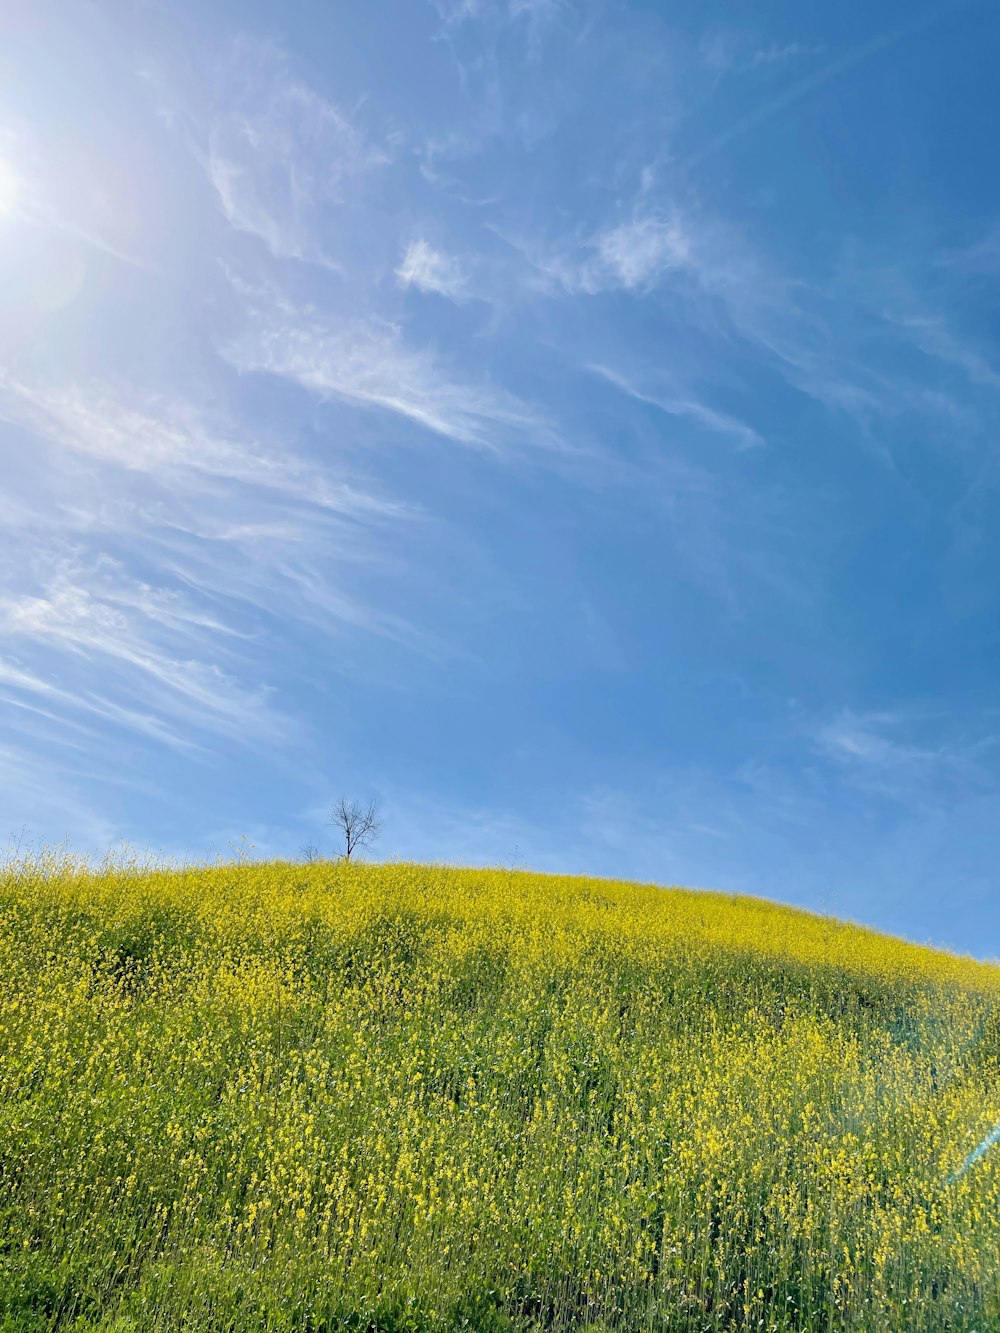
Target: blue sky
{"points": [[571, 422]]}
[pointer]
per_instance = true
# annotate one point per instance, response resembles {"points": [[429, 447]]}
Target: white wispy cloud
{"points": [[453, 13], [233, 535], [279, 154], [907, 753], [631, 256], [368, 363], [102, 614], [730, 286], [166, 438], [729, 289], [729, 50], [934, 338], [809, 83], [683, 405], [541, 17], [981, 257], [20, 689], [727, 286], [248, 521], [868, 738], [778, 52], [431, 270], [636, 253]]}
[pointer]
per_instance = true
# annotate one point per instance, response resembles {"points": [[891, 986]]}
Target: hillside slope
{"points": [[408, 1097]]}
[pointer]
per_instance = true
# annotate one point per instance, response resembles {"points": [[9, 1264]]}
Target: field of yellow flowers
{"points": [[401, 1097]]}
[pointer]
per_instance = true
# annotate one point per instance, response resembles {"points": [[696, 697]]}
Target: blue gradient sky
{"points": [[571, 422]]}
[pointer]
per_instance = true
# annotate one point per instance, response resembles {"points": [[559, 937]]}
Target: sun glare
{"points": [[9, 190]]}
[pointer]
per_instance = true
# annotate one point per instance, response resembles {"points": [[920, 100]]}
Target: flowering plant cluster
{"points": [[274, 1096]]}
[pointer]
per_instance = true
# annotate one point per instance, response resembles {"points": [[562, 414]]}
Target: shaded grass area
{"points": [[408, 1098]]}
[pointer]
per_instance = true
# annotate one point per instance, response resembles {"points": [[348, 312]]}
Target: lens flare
{"points": [[980, 1150]]}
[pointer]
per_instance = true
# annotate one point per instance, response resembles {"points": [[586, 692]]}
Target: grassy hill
{"points": [[408, 1097]]}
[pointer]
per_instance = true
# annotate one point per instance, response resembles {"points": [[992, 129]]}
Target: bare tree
{"points": [[359, 824], [309, 852]]}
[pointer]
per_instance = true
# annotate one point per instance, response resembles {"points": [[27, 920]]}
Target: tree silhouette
{"points": [[359, 824]]}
